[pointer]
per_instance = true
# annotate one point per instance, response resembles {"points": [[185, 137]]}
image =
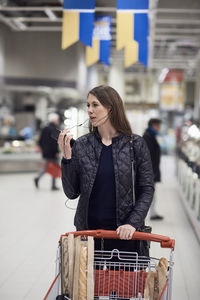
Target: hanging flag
{"points": [[133, 30], [100, 50], [78, 22]]}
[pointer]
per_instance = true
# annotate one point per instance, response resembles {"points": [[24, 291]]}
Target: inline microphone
{"points": [[107, 115]]}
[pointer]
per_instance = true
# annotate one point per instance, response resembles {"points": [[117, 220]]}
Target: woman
{"points": [[98, 169]]}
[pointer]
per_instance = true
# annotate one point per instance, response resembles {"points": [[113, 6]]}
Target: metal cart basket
{"points": [[117, 274]]}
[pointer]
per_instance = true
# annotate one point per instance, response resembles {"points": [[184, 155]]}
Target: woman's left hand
{"points": [[125, 232]]}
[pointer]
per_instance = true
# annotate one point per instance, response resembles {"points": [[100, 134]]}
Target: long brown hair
{"points": [[110, 98]]}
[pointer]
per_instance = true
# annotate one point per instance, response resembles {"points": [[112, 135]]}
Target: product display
{"points": [[188, 172], [77, 259], [156, 281], [189, 147], [67, 262], [82, 281]]}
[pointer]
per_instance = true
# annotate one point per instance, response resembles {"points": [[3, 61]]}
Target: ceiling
{"points": [[174, 28]]}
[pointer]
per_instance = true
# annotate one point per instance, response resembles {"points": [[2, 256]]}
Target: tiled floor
{"points": [[31, 222]]}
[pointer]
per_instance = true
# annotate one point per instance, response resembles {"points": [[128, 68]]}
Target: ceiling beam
{"points": [[178, 30], [159, 67], [43, 28], [178, 10], [30, 8], [53, 8], [34, 19], [176, 37], [110, 9], [177, 21], [169, 43], [98, 9], [7, 22], [176, 58], [106, 9]]}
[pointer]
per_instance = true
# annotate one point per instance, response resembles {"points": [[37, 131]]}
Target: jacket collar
{"points": [[114, 139], [154, 132]]}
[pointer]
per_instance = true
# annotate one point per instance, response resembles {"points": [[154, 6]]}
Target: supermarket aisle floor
{"points": [[32, 221]]}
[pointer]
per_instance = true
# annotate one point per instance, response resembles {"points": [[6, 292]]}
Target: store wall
{"points": [[2, 47], [190, 93], [38, 55], [1, 51], [116, 78], [196, 113], [140, 88]]}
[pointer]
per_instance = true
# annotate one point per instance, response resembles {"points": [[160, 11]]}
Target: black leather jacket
{"points": [[78, 176]]}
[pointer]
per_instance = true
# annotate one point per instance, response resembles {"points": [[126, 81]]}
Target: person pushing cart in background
{"points": [[49, 149]]}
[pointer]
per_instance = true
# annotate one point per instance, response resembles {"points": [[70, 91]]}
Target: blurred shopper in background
{"points": [[155, 153], [49, 148], [98, 168]]}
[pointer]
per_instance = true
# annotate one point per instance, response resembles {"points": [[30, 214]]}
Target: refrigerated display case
{"points": [[188, 172]]}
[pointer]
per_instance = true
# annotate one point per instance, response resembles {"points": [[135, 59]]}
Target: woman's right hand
{"points": [[64, 143]]}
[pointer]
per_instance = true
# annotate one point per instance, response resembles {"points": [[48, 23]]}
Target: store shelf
{"points": [[191, 215], [189, 192], [20, 162]]}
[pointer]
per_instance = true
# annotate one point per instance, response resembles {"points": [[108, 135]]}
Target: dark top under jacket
{"points": [[79, 174], [102, 202]]}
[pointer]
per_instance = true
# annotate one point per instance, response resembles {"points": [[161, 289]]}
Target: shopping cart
{"points": [[119, 275]]}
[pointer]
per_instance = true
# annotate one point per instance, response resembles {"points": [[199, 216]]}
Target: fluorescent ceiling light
{"points": [[194, 131], [163, 74], [50, 14], [20, 24]]}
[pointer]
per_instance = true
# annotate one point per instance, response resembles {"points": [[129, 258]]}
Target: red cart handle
{"points": [[165, 241]]}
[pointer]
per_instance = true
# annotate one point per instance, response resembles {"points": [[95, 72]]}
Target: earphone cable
{"points": [[67, 200]]}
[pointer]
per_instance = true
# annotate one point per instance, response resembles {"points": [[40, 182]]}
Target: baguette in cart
{"points": [[83, 273]]}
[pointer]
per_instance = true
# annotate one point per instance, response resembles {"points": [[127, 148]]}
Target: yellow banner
{"points": [[131, 54], [125, 38], [92, 54], [70, 29]]}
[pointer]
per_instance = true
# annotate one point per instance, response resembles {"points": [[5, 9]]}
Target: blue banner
{"points": [[105, 52], [79, 4], [78, 22], [141, 34], [100, 50], [133, 30], [86, 26], [132, 4], [102, 31]]}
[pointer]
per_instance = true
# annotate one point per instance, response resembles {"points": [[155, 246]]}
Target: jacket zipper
{"points": [[115, 172], [92, 184]]}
